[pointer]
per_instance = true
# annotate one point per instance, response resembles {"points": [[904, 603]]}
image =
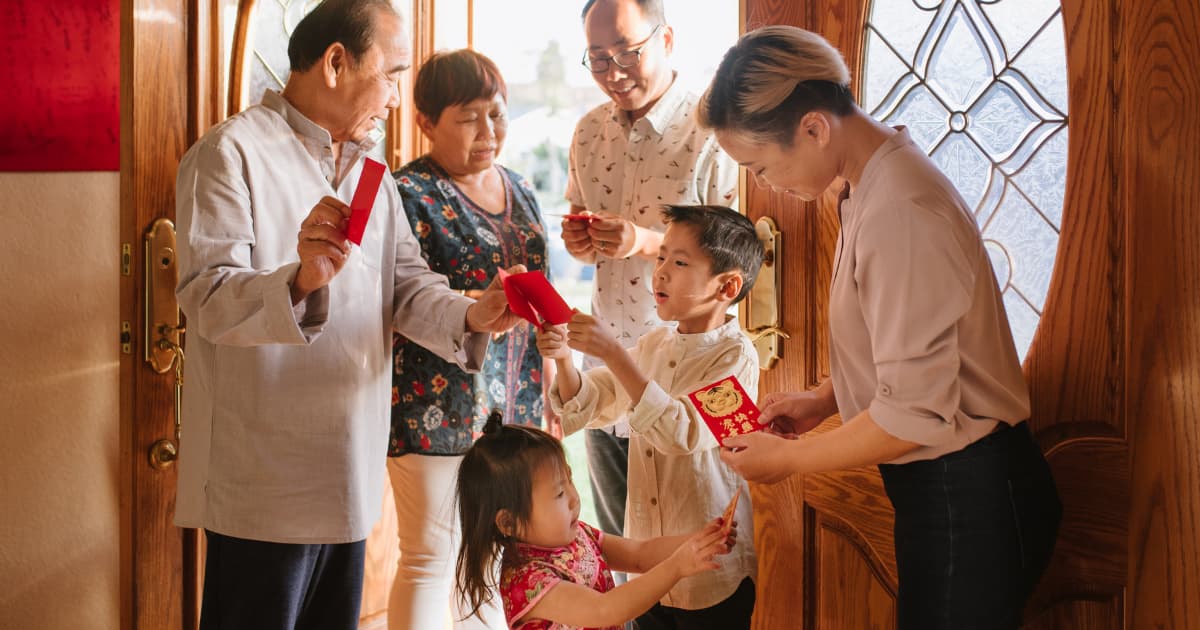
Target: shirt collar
{"points": [[304, 127], [698, 341], [895, 142], [663, 112]]}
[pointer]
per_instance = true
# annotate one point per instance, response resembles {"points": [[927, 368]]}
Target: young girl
{"points": [[519, 508]]}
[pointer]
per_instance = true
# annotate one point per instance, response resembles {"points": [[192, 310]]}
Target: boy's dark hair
{"points": [[349, 22], [455, 78], [497, 474], [726, 236], [652, 10]]}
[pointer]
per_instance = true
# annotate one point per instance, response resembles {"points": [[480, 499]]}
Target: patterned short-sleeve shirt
{"points": [[437, 408], [525, 583]]}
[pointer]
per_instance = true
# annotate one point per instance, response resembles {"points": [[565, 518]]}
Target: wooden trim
{"points": [[239, 58], [154, 134]]}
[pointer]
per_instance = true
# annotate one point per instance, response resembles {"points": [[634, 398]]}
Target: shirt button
{"points": [[649, 452], [672, 364], [653, 501]]}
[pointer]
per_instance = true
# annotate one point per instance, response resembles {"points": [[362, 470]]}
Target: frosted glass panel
{"points": [[982, 87]]}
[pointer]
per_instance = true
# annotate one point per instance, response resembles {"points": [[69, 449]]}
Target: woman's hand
{"points": [[760, 457], [695, 554], [793, 413], [552, 342], [587, 335]]}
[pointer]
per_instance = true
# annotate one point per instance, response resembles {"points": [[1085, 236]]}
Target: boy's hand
{"points": [[552, 341], [696, 553], [585, 334]]}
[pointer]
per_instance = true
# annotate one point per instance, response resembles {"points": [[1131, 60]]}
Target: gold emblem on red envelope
{"points": [[726, 409]]}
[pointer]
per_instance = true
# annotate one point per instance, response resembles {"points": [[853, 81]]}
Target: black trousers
{"points": [[974, 532], [733, 613], [254, 585]]}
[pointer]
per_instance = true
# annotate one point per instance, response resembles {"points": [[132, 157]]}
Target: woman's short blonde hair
{"points": [[770, 79]]}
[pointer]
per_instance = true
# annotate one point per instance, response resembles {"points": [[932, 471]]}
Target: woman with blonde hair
{"points": [[924, 371]]}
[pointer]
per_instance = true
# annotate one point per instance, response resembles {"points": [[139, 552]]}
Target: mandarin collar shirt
{"points": [[918, 331], [285, 413], [632, 169], [677, 481]]}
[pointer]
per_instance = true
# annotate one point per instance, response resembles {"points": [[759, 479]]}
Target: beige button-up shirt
{"points": [[633, 169], [677, 481], [286, 410], [919, 335]]}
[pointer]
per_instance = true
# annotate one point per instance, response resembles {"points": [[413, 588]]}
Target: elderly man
{"points": [[283, 450], [629, 157]]}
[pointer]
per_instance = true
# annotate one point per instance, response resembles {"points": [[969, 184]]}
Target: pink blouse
{"points": [[523, 585]]}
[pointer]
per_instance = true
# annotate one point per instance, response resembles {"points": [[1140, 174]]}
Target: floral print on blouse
{"points": [[437, 408], [525, 582]]}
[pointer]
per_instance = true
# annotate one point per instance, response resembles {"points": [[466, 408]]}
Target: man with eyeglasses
{"points": [[628, 158]]}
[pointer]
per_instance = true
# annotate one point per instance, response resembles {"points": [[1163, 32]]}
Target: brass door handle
{"points": [[163, 329], [760, 312], [163, 454]]}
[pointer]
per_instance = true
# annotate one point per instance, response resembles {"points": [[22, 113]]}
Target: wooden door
{"points": [[157, 568], [1095, 366]]}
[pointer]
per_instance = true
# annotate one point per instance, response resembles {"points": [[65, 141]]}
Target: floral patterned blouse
{"points": [[438, 409], [524, 583]]}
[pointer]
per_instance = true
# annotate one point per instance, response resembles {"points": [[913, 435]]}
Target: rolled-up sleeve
{"points": [[915, 283], [594, 405], [672, 424], [226, 299]]}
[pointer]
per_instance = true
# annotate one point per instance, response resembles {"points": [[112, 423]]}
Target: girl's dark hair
{"points": [[349, 22], [497, 474], [455, 78]]}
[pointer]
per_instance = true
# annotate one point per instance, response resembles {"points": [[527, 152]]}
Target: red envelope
{"points": [[364, 199], [726, 409], [730, 511], [581, 217], [530, 295]]}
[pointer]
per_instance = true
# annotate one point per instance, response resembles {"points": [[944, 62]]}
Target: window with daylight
{"points": [[982, 87]]}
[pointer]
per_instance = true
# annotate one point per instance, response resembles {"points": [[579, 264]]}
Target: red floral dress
{"points": [[541, 568]]}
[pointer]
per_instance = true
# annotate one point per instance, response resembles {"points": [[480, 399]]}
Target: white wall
{"points": [[59, 423]]}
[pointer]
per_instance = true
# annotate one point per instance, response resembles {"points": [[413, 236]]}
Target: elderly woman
{"points": [[924, 370], [472, 217]]}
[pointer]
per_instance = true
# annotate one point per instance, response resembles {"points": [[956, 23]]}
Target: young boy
{"points": [[709, 258]]}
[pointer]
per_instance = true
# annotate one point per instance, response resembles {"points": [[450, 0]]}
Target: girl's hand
{"points": [[552, 342], [792, 413], [585, 334], [696, 553]]}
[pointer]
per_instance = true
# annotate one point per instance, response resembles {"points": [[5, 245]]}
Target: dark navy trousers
{"points": [[254, 585], [974, 532]]}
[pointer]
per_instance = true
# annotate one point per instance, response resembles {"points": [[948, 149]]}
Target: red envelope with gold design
{"points": [[726, 409]]}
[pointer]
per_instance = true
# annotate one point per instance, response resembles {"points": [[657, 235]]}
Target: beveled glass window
{"points": [[982, 87]]}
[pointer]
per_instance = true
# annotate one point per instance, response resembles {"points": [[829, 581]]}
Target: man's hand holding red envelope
{"points": [[322, 246]]}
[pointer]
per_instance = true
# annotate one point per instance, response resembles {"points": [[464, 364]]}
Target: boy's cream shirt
{"points": [[677, 482]]}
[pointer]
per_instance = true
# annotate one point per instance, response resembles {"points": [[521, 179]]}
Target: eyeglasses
{"points": [[626, 59]]}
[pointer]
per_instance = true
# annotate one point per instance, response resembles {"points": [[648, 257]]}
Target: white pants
{"points": [[423, 595]]}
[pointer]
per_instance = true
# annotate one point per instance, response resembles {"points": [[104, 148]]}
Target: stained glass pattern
{"points": [[982, 87]]}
